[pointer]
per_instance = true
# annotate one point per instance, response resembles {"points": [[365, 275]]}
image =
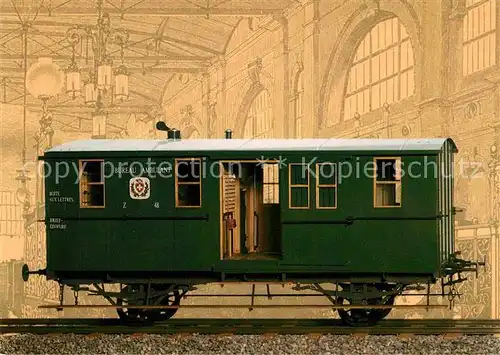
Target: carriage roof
{"points": [[248, 145]]}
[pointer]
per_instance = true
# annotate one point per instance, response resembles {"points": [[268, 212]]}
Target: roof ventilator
{"points": [[172, 133]]}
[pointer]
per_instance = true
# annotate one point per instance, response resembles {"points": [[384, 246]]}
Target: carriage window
{"points": [[271, 183], [91, 183], [326, 186], [298, 194], [387, 182], [188, 182]]}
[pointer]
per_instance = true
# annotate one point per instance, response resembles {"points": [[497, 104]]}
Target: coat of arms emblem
{"points": [[139, 188]]}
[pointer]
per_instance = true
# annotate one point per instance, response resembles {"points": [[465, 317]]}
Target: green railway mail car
{"points": [[372, 217]]}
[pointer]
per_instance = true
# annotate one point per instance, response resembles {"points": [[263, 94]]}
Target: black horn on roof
{"points": [[162, 126]]}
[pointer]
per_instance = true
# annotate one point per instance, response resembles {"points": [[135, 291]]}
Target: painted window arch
{"points": [[258, 123], [479, 35], [382, 70], [299, 105]]}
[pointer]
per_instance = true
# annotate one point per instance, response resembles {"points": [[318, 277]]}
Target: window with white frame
{"points": [[259, 118], [382, 70], [479, 35]]}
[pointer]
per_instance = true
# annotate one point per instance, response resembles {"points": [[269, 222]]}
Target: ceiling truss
{"points": [[167, 38]]}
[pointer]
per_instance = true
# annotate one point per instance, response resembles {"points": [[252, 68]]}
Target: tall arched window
{"points": [[259, 125], [382, 70], [299, 109], [259, 119], [479, 35]]}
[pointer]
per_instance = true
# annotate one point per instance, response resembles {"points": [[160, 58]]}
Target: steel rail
{"points": [[246, 306], [251, 326]]}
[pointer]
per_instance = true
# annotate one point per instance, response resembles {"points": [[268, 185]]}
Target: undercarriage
{"points": [[358, 302]]}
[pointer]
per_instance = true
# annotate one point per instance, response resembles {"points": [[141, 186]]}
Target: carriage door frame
{"points": [[229, 213]]}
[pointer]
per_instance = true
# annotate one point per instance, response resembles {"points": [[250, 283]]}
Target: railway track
{"points": [[251, 326]]}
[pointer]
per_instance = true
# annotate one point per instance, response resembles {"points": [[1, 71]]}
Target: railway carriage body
{"points": [[373, 216]]}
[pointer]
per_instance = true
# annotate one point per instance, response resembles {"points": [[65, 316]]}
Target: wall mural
{"points": [[190, 123]]}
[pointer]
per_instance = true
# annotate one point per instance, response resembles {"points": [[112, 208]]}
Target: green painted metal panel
{"points": [[272, 226], [368, 239], [112, 246], [152, 234], [311, 245], [196, 244]]}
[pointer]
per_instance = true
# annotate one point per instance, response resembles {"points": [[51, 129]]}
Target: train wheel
{"points": [[132, 316], [365, 317], [170, 299], [135, 316], [384, 312]]}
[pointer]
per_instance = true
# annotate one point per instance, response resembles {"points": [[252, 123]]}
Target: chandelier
{"points": [[98, 89]]}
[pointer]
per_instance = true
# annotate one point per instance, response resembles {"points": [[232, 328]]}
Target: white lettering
{"points": [[56, 223], [57, 226], [122, 169], [146, 170], [62, 199]]}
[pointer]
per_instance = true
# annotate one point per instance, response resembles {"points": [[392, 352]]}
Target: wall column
{"points": [[222, 121], [435, 76], [281, 75], [494, 168], [455, 49], [311, 69], [205, 105], [495, 224]]}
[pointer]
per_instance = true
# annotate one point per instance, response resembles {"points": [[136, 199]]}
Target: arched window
{"points": [[299, 109], [479, 35], [259, 125], [382, 70], [259, 119]]}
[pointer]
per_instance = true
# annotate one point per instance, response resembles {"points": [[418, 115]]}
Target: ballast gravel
{"points": [[245, 344]]}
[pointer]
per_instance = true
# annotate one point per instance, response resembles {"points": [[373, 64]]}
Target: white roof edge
{"points": [[245, 142], [403, 145], [318, 144]]}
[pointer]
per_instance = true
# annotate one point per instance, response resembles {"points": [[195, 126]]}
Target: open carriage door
{"points": [[230, 239]]}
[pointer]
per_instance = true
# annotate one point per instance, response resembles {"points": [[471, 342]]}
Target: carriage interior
{"points": [[250, 210]]}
